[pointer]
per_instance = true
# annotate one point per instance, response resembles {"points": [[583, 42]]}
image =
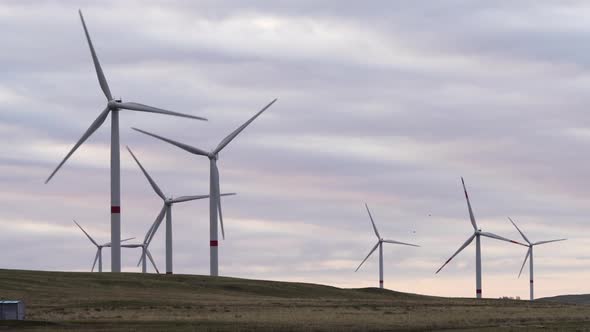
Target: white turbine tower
{"points": [[113, 106], [379, 244], [214, 191], [99, 247], [166, 211], [477, 233], [529, 253]]}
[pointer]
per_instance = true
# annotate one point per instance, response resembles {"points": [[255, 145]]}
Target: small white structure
{"points": [[12, 310]]}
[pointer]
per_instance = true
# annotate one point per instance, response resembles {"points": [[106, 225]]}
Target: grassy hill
{"points": [[67, 301], [574, 299]]}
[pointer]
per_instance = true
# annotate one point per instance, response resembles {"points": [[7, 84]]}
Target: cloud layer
{"points": [[387, 103]]}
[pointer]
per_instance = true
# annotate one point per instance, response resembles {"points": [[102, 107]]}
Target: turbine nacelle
{"points": [[114, 103]]}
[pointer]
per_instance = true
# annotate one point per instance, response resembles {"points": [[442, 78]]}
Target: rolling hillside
{"points": [[573, 299], [70, 301]]}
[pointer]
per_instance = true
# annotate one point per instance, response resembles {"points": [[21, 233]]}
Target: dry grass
{"points": [[135, 302]]}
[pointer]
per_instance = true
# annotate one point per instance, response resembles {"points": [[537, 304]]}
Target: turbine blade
{"points": [[543, 242], [152, 260], [521, 233], [183, 146], [149, 178], [403, 243], [469, 240], [370, 252], [373, 222], [131, 245], [140, 260], [235, 133], [221, 218], [145, 108], [101, 78], [147, 234], [528, 252], [188, 198], [152, 232], [131, 238], [191, 198], [93, 127], [87, 235], [218, 196], [501, 238], [95, 259], [471, 216]]}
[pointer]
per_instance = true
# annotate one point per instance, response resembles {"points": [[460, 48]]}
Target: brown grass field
{"points": [[68, 301]]}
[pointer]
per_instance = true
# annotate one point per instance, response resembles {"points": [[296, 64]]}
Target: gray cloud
{"points": [[388, 103]]}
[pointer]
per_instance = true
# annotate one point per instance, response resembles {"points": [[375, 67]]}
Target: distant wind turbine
{"points": [[99, 247], [167, 211], [529, 253], [113, 107], [476, 235], [379, 244], [214, 191], [145, 252]]}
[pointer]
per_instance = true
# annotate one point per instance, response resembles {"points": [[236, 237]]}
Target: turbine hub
{"points": [[213, 156], [112, 104]]}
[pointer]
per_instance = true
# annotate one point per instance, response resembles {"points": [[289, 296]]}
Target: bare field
{"points": [[67, 301]]}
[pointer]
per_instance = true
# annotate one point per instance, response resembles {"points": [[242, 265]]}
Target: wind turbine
{"points": [[166, 211], [477, 233], [144, 251], [379, 244], [214, 191], [149, 235], [529, 253], [113, 106], [98, 248]]}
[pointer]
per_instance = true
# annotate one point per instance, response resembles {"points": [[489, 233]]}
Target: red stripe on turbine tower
{"points": [[213, 243], [115, 209], [478, 291], [531, 281]]}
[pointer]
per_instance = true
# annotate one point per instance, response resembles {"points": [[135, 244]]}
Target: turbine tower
{"points": [[214, 191], [99, 247], [113, 107], [166, 211], [529, 253], [477, 233], [379, 244]]}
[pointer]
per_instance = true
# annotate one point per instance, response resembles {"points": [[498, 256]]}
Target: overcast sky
{"points": [[384, 102]]}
